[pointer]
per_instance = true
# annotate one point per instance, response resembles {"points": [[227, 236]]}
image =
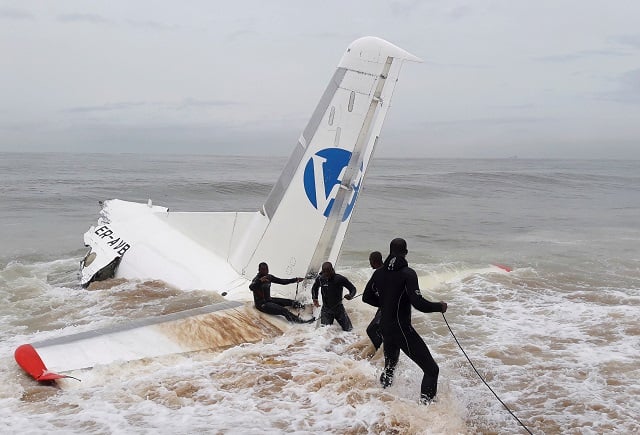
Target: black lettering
{"points": [[118, 245]]}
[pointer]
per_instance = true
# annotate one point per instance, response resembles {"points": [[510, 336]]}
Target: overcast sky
{"points": [[501, 78]]}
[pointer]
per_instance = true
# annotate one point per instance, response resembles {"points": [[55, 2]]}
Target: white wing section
{"points": [[217, 326], [186, 250]]}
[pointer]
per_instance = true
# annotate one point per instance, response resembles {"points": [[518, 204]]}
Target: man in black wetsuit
{"points": [[373, 330], [261, 288], [397, 290], [331, 285]]}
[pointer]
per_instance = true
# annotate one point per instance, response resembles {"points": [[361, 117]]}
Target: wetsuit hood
{"points": [[395, 263]]}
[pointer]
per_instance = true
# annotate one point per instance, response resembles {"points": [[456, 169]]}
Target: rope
{"points": [[480, 376]]}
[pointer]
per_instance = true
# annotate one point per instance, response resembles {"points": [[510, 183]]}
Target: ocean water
{"points": [[558, 338]]}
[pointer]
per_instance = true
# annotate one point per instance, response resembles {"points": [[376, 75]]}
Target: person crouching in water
{"points": [[261, 288], [331, 285], [397, 290]]}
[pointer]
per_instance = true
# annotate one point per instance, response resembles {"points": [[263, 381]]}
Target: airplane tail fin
{"points": [[304, 219]]}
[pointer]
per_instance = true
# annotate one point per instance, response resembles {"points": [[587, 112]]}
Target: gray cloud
{"points": [[489, 121], [521, 106], [99, 19], [109, 107], [19, 127], [187, 103], [190, 103], [463, 66], [628, 90], [240, 34], [404, 8], [83, 18], [632, 79], [15, 14], [579, 55], [151, 25], [249, 74], [630, 40], [461, 12], [338, 36]]}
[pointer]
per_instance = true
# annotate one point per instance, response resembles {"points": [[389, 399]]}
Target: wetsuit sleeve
{"points": [[370, 296], [255, 283], [282, 280], [314, 289], [349, 285], [413, 291]]}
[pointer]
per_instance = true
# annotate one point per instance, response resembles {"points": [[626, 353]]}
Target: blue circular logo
{"points": [[322, 177]]}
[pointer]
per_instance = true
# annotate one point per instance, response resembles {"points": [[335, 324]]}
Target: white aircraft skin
{"points": [[301, 225]]}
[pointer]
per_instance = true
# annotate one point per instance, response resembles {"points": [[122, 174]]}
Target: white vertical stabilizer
{"points": [[310, 206]]}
